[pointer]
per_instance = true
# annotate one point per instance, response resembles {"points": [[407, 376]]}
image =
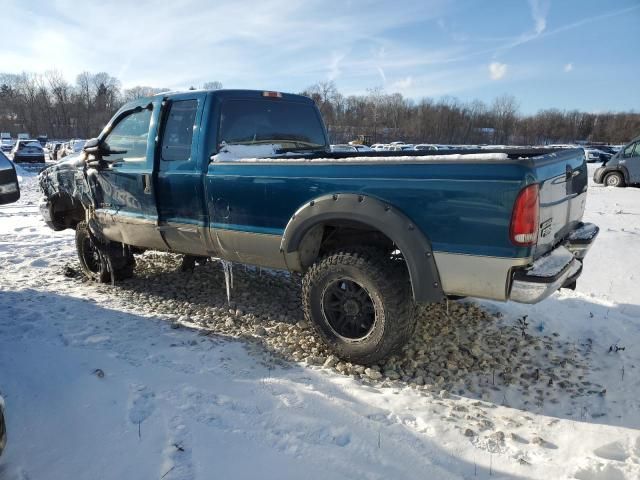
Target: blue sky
{"points": [[582, 54]]}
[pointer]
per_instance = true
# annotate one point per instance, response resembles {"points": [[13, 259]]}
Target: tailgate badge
{"points": [[545, 227]]}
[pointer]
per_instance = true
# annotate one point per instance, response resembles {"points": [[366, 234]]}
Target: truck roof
{"points": [[240, 93]]}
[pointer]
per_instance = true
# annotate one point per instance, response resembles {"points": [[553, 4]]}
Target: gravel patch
{"points": [[458, 349]]}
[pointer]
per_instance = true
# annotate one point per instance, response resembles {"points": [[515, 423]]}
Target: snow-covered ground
{"points": [[158, 378]]}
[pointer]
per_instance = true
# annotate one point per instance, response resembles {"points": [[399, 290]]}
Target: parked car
{"points": [[62, 151], [28, 151], [596, 155], [623, 168], [9, 186], [605, 148], [54, 150], [350, 148], [71, 147], [363, 148], [343, 148], [398, 147], [6, 145], [371, 238], [425, 146], [378, 147]]}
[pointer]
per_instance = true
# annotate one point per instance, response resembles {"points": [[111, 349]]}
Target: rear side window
{"points": [[178, 130], [288, 124]]}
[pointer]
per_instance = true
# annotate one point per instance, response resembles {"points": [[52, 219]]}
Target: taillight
{"points": [[524, 219]]}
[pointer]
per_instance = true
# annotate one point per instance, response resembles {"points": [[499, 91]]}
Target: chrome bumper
{"points": [[559, 268]]}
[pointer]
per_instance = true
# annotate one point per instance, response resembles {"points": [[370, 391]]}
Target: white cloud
{"points": [[401, 85], [270, 44], [497, 70], [568, 67], [539, 11]]}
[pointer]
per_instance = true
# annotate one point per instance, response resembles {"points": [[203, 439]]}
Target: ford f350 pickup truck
{"points": [[248, 177]]}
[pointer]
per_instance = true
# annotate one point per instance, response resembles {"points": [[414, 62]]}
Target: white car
{"points": [[6, 145], [378, 147], [350, 148], [343, 147], [425, 146], [595, 155], [363, 148]]}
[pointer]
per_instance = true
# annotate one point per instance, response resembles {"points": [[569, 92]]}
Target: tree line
{"points": [[49, 104], [384, 117]]}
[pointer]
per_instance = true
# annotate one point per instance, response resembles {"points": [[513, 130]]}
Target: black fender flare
{"points": [[410, 240]]}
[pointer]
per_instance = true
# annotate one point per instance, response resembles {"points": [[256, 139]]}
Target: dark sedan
{"points": [[28, 151]]}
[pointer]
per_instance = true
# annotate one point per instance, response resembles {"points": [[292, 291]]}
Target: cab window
{"points": [[178, 130], [289, 125], [128, 139]]}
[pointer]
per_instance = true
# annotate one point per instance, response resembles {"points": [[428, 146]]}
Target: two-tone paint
{"points": [[452, 216]]}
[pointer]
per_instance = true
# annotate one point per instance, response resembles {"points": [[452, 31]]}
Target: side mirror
{"points": [[9, 187], [92, 146]]}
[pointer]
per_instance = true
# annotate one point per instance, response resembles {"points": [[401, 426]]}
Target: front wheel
{"points": [[98, 261], [359, 301], [614, 179]]}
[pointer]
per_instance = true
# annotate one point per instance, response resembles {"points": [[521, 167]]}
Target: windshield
{"points": [[289, 125]]}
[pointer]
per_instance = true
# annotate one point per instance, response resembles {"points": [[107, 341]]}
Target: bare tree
{"points": [[215, 85]]}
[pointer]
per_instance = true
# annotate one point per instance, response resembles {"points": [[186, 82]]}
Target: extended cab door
{"points": [[248, 200], [182, 215], [122, 186]]}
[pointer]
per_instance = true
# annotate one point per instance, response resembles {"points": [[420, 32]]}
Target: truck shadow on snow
{"points": [[203, 382], [460, 349]]}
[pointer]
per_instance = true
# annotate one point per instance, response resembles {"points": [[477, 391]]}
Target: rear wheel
{"points": [[359, 301], [97, 260], [614, 179]]}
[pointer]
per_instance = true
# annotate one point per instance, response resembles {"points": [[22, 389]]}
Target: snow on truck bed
{"points": [[267, 154], [158, 377]]}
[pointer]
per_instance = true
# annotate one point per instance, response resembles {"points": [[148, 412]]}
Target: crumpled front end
{"points": [[66, 194]]}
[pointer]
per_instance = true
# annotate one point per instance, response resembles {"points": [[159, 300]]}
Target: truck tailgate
{"points": [[562, 178]]}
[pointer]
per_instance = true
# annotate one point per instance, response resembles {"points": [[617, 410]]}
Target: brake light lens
{"points": [[272, 94], [523, 231]]}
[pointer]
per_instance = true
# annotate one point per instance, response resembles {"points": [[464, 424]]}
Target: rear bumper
{"points": [[557, 269], [28, 158]]}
